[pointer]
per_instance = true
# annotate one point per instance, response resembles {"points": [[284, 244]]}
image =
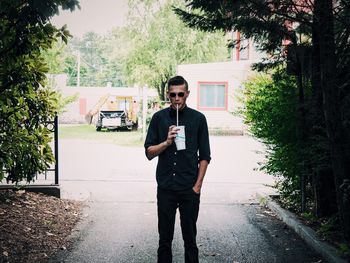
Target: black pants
{"points": [[188, 203]]}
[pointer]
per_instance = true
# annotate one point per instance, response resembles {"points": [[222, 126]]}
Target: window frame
{"points": [[225, 83]]}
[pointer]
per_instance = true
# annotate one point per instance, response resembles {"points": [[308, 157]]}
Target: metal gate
{"points": [[52, 125], [44, 179]]}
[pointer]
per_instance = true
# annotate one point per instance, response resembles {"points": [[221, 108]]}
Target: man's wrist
{"points": [[197, 189], [166, 144]]}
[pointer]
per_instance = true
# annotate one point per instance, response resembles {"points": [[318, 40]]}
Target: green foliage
{"points": [[159, 41], [70, 68], [145, 51], [309, 216], [53, 57], [100, 62], [263, 21], [25, 103], [344, 249], [271, 111], [64, 101], [263, 201], [328, 226], [309, 40]]}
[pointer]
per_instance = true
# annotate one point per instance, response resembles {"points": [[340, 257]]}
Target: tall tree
{"points": [[25, 32], [271, 23], [160, 41], [100, 63], [324, 33], [54, 58]]}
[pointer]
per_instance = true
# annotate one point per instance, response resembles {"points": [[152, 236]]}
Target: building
{"points": [[215, 87], [85, 98]]}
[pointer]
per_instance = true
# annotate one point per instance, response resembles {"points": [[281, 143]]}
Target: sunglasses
{"points": [[173, 94]]}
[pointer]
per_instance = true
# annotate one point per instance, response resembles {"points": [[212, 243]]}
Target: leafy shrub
{"points": [[24, 102], [271, 112]]}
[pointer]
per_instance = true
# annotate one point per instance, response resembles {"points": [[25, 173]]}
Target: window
{"points": [[212, 95]]}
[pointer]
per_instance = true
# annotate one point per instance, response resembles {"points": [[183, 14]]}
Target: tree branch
{"points": [[283, 15]]}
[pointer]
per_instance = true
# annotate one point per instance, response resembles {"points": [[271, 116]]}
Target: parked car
{"points": [[113, 120], [114, 113]]}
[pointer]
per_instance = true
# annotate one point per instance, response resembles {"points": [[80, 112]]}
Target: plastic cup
{"points": [[180, 139]]}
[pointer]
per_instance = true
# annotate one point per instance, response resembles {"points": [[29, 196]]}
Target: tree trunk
{"points": [[324, 193], [302, 133], [298, 65], [322, 178], [162, 88], [159, 91], [325, 33]]}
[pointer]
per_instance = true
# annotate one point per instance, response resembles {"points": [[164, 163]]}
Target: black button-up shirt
{"points": [[178, 170]]}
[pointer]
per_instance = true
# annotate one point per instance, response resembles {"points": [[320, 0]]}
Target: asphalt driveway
{"points": [[121, 219]]}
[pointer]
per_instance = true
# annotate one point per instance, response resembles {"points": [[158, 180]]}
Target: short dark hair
{"points": [[176, 81]]}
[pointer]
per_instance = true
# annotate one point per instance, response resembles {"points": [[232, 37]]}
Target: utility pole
{"points": [[144, 111], [78, 69]]}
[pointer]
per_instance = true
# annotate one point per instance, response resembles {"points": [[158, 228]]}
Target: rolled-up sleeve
{"points": [[203, 141]]}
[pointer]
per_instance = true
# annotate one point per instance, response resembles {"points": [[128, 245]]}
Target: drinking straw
{"points": [[177, 115]]}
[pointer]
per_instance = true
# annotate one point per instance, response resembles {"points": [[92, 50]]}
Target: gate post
{"points": [[56, 149]]}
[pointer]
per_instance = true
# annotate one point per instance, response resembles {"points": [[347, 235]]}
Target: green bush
{"points": [[25, 103], [271, 112]]}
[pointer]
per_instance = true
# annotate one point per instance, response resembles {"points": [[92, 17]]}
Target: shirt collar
{"points": [[172, 111]]}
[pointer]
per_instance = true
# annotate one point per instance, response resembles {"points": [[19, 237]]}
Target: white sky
{"points": [[99, 16]]}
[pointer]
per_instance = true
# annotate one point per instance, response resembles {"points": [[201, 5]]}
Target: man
{"points": [[180, 173]]}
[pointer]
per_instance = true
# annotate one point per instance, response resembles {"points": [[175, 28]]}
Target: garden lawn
{"points": [[88, 132]]}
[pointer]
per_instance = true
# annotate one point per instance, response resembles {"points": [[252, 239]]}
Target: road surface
{"points": [[121, 219]]}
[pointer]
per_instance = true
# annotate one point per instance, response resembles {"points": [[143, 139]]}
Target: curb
{"points": [[308, 234], [52, 190]]}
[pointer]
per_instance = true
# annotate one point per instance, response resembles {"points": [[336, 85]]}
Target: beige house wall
{"points": [[87, 97], [234, 73]]}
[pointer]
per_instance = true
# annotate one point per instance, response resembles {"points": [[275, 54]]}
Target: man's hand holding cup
{"points": [[172, 133]]}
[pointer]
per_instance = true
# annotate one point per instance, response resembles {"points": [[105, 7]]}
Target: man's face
{"points": [[178, 96]]}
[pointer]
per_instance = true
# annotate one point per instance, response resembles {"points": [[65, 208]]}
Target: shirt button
{"points": [[174, 174], [174, 163], [175, 153]]}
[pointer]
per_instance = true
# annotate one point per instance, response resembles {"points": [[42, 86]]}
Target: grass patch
{"points": [[88, 132], [225, 132], [344, 249]]}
